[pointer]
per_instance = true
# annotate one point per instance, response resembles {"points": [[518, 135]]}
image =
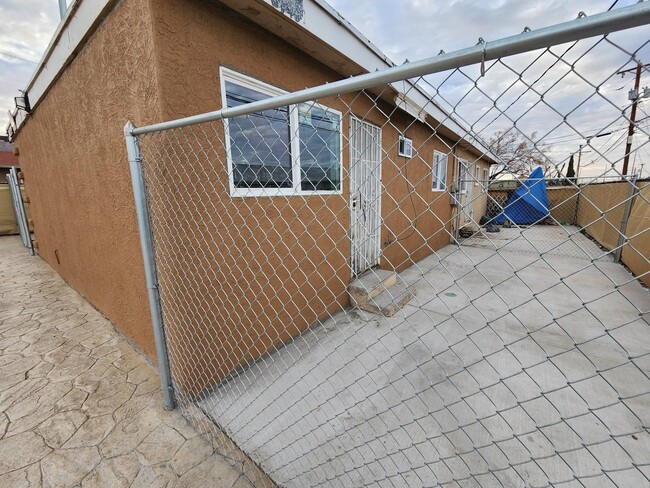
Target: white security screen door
{"points": [[365, 194], [465, 187]]}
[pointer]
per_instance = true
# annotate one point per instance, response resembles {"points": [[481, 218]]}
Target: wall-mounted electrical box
{"points": [[405, 147]]}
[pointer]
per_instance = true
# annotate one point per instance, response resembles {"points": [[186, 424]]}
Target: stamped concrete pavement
{"points": [[79, 406]]}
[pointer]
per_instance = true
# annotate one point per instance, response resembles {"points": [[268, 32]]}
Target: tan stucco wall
{"points": [[291, 264], [600, 211], [73, 155]]}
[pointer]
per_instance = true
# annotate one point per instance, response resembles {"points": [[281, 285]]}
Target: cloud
{"points": [[551, 94], [417, 29], [25, 31]]}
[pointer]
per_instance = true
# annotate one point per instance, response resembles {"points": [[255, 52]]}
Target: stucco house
{"points": [[153, 60]]}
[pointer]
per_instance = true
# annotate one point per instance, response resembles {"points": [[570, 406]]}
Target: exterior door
{"points": [[465, 190], [365, 195]]}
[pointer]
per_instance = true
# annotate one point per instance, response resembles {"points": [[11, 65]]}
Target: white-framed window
{"points": [[486, 179], [477, 174], [439, 171], [284, 151]]}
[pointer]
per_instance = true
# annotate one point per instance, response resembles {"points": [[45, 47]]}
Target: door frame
{"points": [[355, 269], [465, 169]]}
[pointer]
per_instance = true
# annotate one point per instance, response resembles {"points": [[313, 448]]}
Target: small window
{"points": [[283, 151], [439, 171], [477, 174], [405, 147], [486, 179]]}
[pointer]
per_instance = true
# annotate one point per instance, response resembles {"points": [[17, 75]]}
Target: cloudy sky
{"points": [[416, 29], [26, 27]]}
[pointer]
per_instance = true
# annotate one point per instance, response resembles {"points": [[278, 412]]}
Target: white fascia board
{"points": [[80, 20], [323, 21]]}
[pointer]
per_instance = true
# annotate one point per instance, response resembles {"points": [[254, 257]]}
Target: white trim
{"points": [[320, 19], [226, 74], [327, 24]]}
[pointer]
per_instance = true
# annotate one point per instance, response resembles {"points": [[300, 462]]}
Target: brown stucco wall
{"points": [[279, 263], [228, 295], [73, 155]]}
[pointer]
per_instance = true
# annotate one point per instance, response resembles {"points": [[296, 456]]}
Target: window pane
{"points": [[320, 148], [440, 171], [259, 142]]}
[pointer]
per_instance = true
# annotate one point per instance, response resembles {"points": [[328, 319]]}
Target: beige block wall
{"points": [[601, 211], [8, 224], [562, 203], [636, 255], [7, 217]]}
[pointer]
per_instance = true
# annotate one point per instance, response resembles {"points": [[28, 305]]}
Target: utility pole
{"points": [[579, 158], [630, 131]]}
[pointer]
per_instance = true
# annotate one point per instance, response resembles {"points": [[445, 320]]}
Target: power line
{"points": [[4, 53]]}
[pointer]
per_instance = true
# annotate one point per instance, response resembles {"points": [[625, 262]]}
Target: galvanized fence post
{"points": [[19, 209], [146, 243], [622, 237]]}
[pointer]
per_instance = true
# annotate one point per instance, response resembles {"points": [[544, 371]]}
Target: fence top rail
{"points": [[582, 27]]}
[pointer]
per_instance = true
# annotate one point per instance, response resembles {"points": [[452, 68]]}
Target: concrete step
{"points": [[389, 302], [370, 285]]}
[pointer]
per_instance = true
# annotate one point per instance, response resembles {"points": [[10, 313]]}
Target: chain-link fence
{"points": [[351, 297]]}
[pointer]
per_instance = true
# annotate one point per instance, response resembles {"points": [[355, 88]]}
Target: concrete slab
{"points": [[561, 240], [505, 369]]}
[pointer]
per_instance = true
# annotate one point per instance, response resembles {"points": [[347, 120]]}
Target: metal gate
{"points": [[365, 194], [516, 357], [19, 209]]}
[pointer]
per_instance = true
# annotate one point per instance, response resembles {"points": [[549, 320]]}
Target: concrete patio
{"points": [[505, 370], [559, 240], [78, 405]]}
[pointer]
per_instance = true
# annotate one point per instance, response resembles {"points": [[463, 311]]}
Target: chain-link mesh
{"points": [[367, 290]]}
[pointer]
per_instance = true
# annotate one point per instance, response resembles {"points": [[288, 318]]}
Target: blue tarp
{"points": [[528, 204]]}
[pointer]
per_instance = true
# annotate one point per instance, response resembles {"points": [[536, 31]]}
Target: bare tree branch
{"points": [[517, 155]]}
